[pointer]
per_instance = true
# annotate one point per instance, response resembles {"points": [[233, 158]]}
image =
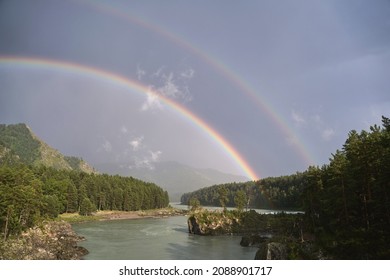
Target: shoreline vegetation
{"points": [[106, 215]]}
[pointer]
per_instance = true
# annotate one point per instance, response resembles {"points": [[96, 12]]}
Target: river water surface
{"points": [[156, 239]]}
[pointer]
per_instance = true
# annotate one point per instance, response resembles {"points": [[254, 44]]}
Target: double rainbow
{"points": [[220, 67], [131, 86]]}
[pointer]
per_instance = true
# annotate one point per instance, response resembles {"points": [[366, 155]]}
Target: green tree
{"points": [[312, 195], [20, 199], [82, 193], [337, 194], [194, 203], [51, 206], [240, 200], [223, 197], [118, 199], [72, 199], [86, 207]]}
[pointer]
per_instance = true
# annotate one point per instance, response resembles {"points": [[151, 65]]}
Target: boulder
{"points": [[193, 226], [271, 251], [276, 251]]}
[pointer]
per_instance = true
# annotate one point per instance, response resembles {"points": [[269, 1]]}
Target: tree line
{"points": [[29, 194], [282, 192]]}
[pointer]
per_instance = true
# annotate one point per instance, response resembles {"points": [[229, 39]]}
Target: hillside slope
{"points": [[19, 144]]}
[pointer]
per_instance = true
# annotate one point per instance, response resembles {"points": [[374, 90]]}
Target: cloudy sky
{"points": [[282, 82]]}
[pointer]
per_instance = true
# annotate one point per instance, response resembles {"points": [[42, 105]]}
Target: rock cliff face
{"points": [[51, 241]]}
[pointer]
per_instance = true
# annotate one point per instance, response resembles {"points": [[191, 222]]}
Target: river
{"points": [[156, 239], [159, 239]]}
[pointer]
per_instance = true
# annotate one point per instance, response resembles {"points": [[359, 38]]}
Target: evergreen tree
{"points": [[72, 199], [86, 207], [240, 200], [223, 197], [194, 203], [51, 206], [311, 195]]}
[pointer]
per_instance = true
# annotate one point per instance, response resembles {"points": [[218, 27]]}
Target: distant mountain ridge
{"points": [[175, 177], [19, 144]]}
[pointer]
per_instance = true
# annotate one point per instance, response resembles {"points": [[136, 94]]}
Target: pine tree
{"points": [[223, 197], [86, 207], [240, 200], [72, 199]]}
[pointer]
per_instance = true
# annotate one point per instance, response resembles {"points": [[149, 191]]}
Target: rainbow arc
{"points": [[132, 85]]}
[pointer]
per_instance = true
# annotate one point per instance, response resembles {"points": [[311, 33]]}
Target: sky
{"points": [[254, 88]]}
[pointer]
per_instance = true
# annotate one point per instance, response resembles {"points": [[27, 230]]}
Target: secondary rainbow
{"points": [[220, 67], [132, 85]]}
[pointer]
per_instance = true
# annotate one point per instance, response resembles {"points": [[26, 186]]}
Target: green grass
{"points": [[76, 218]]}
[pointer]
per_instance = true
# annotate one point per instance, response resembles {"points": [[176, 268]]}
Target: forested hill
{"points": [[18, 144], [282, 192]]}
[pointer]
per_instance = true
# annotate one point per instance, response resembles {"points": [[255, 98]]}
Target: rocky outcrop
{"points": [[205, 222], [268, 250], [211, 223], [271, 251], [51, 241], [193, 226], [276, 251]]}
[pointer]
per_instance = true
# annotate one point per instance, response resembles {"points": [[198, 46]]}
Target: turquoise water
{"points": [[156, 239]]}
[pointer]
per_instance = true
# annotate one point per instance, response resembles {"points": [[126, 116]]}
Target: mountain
{"points": [[174, 177], [19, 144]]}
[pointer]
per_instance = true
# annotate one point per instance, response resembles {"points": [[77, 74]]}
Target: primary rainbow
{"points": [[132, 85], [220, 67]]}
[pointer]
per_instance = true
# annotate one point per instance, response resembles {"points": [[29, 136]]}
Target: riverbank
{"points": [[122, 215]]}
